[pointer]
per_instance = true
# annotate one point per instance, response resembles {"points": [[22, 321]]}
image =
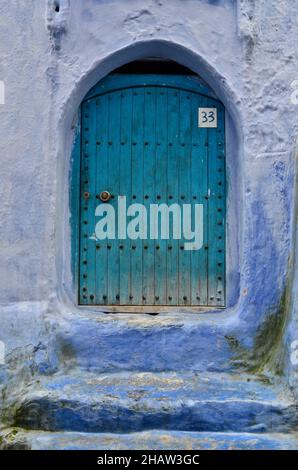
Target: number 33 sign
{"points": [[207, 117]]}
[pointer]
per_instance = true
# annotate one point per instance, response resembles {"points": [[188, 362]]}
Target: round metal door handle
{"points": [[104, 196]]}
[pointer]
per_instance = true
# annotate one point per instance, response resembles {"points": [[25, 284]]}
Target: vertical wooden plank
{"points": [[216, 217], [84, 206], [114, 101], [75, 202], [184, 153], [87, 247], [161, 183], [221, 210], [101, 255], [125, 190], [150, 193], [173, 192], [136, 246], [199, 184]]}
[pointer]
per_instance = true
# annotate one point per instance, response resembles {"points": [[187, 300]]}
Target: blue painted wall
{"points": [[57, 57]]}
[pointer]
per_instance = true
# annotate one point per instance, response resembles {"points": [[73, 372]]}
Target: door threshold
{"points": [[154, 309]]}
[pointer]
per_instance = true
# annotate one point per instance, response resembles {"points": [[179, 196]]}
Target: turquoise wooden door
{"points": [[152, 193]]}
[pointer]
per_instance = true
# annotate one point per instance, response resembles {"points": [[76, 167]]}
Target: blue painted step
{"points": [[152, 440], [109, 343], [130, 402]]}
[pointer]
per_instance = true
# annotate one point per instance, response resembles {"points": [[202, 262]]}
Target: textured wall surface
{"points": [[51, 54]]}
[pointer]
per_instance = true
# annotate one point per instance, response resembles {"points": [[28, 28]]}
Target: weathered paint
{"points": [[142, 143], [16, 439], [57, 59]]}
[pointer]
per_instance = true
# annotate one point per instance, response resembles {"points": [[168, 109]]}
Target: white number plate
{"points": [[207, 117]]}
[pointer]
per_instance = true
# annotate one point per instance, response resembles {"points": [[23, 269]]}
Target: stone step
{"points": [[13, 439], [142, 342], [131, 402]]}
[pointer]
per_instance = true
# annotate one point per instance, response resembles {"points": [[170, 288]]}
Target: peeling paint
{"points": [[246, 51]]}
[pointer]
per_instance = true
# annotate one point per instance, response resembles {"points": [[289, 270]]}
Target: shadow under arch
{"points": [[101, 68]]}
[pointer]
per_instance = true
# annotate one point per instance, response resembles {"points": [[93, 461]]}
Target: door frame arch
{"points": [[68, 133]]}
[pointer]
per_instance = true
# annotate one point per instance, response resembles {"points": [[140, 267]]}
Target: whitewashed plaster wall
{"points": [[53, 52]]}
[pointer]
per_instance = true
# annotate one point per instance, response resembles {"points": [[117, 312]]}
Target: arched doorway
{"points": [[151, 222]]}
